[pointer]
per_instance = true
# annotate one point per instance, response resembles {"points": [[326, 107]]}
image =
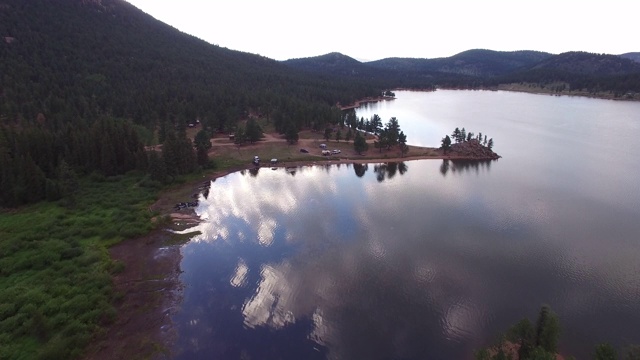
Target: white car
{"points": [[336, 151]]}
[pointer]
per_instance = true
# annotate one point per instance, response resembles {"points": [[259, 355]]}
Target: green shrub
{"points": [[55, 282]]}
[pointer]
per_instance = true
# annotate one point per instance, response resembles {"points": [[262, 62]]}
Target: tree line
{"points": [[388, 135], [37, 163]]}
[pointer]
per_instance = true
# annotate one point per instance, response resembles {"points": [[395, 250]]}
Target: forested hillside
{"points": [[576, 62], [478, 62], [593, 73], [109, 57], [88, 82], [338, 66]]}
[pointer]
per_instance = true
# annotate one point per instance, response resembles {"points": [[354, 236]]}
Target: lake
{"points": [[426, 259]]}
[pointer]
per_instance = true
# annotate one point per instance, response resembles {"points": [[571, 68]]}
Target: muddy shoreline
{"points": [[148, 291]]}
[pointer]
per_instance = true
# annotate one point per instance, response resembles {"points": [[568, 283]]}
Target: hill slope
{"points": [[589, 64], [110, 57], [478, 62], [338, 66]]}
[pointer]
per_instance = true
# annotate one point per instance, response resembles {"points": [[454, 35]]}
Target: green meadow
{"points": [[55, 269]]}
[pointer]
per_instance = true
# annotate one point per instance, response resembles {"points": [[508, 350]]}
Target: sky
{"points": [[372, 30]]}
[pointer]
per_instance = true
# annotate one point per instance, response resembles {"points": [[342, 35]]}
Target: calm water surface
{"points": [[426, 259]]}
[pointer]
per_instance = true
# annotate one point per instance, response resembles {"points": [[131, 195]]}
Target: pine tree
{"points": [[327, 134], [253, 131], [547, 330], [402, 141], [291, 134], [393, 129], [456, 135], [347, 137], [360, 143], [157, 167], [446, 144], [202, 142]]}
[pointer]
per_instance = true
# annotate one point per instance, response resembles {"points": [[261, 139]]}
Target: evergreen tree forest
{"points": [[90, 83], [36, 162]]}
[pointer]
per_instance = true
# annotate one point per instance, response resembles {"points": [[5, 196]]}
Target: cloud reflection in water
{"points": [[358, 268]]}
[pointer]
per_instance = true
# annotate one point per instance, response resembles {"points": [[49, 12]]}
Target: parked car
{"points": [[336, 151], [304, 151], [323, 146], [326, 152]]}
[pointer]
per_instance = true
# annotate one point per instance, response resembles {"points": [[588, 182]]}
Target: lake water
{"points": [[426, 259]]}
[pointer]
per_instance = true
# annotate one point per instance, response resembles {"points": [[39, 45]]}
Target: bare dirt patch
{"points": [[149, 292]]}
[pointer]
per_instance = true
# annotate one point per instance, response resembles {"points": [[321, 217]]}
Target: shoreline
{"points": [[149, 287], [365, 101], [144, 325], [536, 90]]}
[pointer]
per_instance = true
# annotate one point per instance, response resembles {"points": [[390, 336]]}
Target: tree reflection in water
{"points": [[389, 170], [460, 166]]}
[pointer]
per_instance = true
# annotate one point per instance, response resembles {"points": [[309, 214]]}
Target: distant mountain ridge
{"points": [[590, 72], [635, 56], [476, 62], [577, 62]]}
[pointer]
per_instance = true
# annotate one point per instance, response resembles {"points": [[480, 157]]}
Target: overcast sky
{"points": [[372, 30]]}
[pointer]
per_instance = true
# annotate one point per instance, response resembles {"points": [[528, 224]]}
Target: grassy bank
{"points": [[55, 270]]}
